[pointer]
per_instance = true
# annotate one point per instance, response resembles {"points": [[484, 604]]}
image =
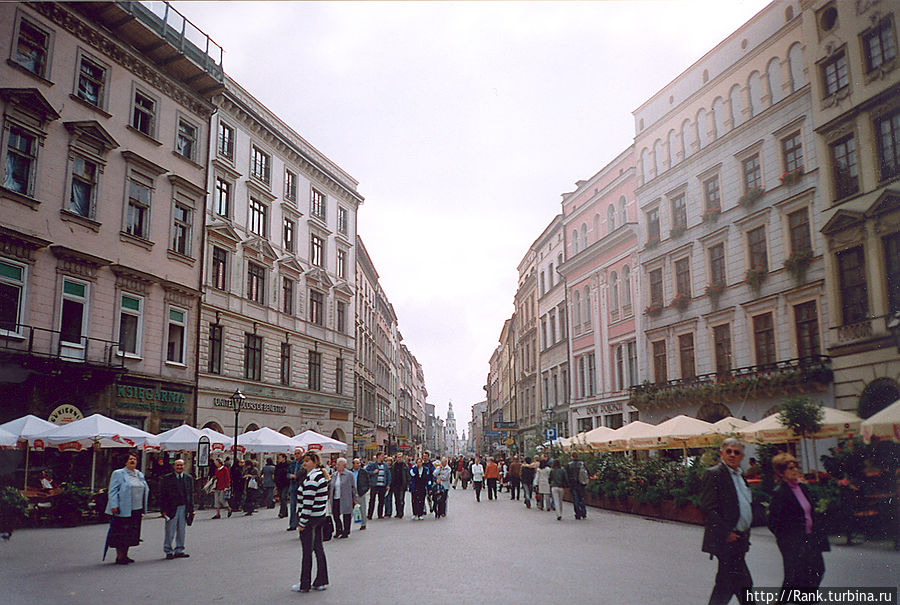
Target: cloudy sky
{"points": [[463, 123]]}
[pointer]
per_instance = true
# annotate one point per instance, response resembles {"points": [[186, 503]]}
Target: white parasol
{"points": [[24, 429], [311, 440], [186, 438], [884, 424], [7, 439], [266, 440]]}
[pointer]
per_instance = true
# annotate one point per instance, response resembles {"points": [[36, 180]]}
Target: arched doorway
{"points": [[215, 426], [877, 395], [713, 412], [251, 427], [339, 435], [287, 431]]}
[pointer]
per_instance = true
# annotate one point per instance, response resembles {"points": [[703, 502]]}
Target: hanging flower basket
{"points": [[714, 289], [653, 310], [792, 176], [681, 301], [798, 262], [653, 242], [711, 215], [756, 276], [677, 231], [749, 198]]}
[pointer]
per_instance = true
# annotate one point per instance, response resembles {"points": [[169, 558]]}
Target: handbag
{"points": [[327, 529], [210, 485], [252, 484]]}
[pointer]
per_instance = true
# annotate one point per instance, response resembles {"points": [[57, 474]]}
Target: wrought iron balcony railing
{"points": [[27, 340]]}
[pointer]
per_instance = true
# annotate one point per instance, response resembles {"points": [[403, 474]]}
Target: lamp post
{"points": [[237, 400]]}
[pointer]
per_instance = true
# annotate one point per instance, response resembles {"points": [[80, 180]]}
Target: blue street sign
{"points": [[550, 434]]}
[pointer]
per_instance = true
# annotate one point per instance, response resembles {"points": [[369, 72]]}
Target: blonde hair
{"points": [[315, 459]]}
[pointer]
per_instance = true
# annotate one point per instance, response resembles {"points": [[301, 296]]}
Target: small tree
{"points": [[804, 417]]}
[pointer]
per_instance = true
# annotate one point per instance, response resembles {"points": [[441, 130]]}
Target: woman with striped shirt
{"points": [[313, 500]]}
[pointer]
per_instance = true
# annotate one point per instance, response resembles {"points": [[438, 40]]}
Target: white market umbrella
{"points": [[266, 440], [7, 439], [312, 440], [729, 425], [885, 424], [186, 438], [218, 442], [686, 431], [25, 428], [95, 429], [835, 423], [619, 439], [598, 438]]}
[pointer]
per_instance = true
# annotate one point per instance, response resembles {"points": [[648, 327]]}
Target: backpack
{"points": [[583, 476]]}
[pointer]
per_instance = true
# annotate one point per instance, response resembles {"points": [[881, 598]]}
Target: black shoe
{"points": [[169, 557], [181, 555], [121, 562], [362, 528], [229, 512], [291, 529]]}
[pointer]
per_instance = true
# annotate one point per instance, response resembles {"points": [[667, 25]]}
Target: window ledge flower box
{"points": [[653, 310], [756, 276], [711, 215], [715, 289], [749, 198], [798, 262], [677, 231], [792, 176], [681, 301]]}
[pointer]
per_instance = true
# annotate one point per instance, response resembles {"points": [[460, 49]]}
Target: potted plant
{"points": [[792, 176], [652, 242], [71, 502], [677, 231], [714, 290], [13, 508], [756, 276], [681, 301], [798, 262], [653, 309], [751, 196], [711, 215]]}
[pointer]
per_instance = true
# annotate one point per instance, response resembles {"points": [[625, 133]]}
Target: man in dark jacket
{"points": [[296, 474], [282, 483], [399, 484], [362, 488], [379, 481], [576, 487], [725, 501], [176, 500]]}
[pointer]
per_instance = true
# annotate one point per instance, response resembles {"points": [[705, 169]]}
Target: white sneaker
{"points": [[296, 588]]}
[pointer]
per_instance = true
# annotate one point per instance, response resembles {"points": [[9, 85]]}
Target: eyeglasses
{"points": [[732, 452], [792, 465]]}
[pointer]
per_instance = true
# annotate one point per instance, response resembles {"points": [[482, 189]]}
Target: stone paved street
{"points": [[488, 552]]}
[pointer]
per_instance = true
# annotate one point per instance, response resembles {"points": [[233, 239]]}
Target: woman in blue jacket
{"points": [[418, 484], [128, 495]]}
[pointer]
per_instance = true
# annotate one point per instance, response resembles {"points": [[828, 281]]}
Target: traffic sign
{"points": [[550, 434]]}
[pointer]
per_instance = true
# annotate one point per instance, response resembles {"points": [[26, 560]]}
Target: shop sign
{"points": [[70, 446], [150, 399], [256, 406], [65, 414], [610, 408]]}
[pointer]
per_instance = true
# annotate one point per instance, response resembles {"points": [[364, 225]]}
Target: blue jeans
{"points": [[528, 489], [175, 530], [577, 491], [294, 519]]}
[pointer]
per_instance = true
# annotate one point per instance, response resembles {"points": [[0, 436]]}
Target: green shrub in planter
{"points": [[13, 508], [71, 502]]}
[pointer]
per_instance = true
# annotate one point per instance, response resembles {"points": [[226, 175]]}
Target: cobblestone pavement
{"points": [[487, 552]]}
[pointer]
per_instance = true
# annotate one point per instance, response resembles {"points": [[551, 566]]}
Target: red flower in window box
{"points": [[792, 176], [681, 301], [652, 310], [751, 196], [756, 276]]}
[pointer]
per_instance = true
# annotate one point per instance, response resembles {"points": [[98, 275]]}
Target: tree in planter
{"points": [[13, 508], [802, 416]]}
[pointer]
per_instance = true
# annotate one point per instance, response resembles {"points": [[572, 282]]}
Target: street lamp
{"points": [[237, 400]]}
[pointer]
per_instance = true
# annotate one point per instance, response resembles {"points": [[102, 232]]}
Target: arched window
{"points": [[646, 172], [737, 107], [798, 78], [575, 241], [597, 227], [789, 13], [755, 84], [626, 288], [584, 239], [675, 152], [587, 308], [658, 165], [687, 138], [775, 85], [702, 128], [623, 217], [720, 116], [610, 219], [614, 295], [576, 311]]}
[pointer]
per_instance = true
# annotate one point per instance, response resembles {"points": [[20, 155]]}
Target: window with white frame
{"points": [[752, 173], [679, 212], [835, 74], [290, 186], [316, 307], [792, 152], [256, 283], [143, 113], [316, 250], [260, 164], [220, 268], [186, 139], [131, 320], [887, 131], [288, 232], [342, 263], [21, 160], [843, 161], [175, 337], [32, 48], [73, 315], [711, 196], [82, 197], [756, 249], [137, 218], [182, 229], [258, 217], [13, 277], [92, 78], [225, 141], [317, 203], [683, 277], [223, 197], [343, 225]]}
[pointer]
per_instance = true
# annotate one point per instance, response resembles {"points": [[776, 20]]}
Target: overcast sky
{"points": [[463, 123]]}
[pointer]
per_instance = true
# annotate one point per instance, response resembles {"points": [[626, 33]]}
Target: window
{"points": [[632, 363], [686, 354], [138, 218], [186, 139], [543, 333], [711, 196], [316, 250], [253, 350], [626, 290], [798, 227], [287, 296], [764, 339], [256, 283], [806, 321], [339, 376], [73, 314], [315, 371], [285, 363], [342, 263], [717, 264], [341, 317], [722, 347], [659, 361], [887, 130], [679, 213], [175, 341], [834, 73], [756, 246], [552, 322], [543, 283], [846, 177], [613, 296], [91, 82], [143, 118], [610, 219], [852, 282], [653, 224], [892, 270], [130, 319], [84, 187], [12, 296], [792, 152], [288, 228], [587, 308], [656, 287], [683, 277], [879, 45], [225, 141], [752, 174], [290, 186], [620, 368], [316, 307], [223, 197], [590, 375], [215, 349], [21, 161], [563, 331], [260, 164], [32, 48], [343, 221], [317, 204], [258, 217], [182, 229], [219, 268]]}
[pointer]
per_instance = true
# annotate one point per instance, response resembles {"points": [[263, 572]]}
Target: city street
{"points": [[492, 551]]}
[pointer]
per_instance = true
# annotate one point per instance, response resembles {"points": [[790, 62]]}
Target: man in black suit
{"points": [[177, 505], [726, 505]]}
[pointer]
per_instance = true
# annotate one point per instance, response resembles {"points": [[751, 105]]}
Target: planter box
{"points": [[687, 513]]}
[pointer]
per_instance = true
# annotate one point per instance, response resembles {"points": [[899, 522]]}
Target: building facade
{"points": [[526, 406]]}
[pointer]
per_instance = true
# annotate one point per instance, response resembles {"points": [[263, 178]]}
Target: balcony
{"points": [[809, 374], [861, 330], [33, 346]]}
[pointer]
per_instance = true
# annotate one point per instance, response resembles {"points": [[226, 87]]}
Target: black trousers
{"points": [[803, 564], [377, 491], [732, 576], [341, 522], [492, 489], [477, 486], [311, 541], [513, 487], [399, 501]]}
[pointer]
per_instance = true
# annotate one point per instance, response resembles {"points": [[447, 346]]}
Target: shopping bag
{"points": [[357, 514]]}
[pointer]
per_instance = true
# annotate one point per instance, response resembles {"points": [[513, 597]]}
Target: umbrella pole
{"points": [[93, 466], [27, 452], [815, 460]]}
